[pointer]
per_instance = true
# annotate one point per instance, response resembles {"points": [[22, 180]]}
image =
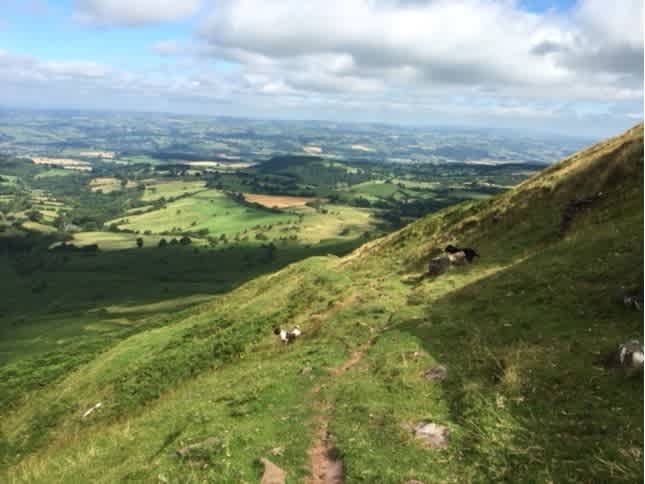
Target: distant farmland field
{"points": [[277, 201], [208, 209], [156, 189]]}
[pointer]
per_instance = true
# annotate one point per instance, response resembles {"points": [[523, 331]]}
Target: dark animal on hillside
{"points": [[468, 252]]}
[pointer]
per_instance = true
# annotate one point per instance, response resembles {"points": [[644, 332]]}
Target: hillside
{"points": [[519, 332]]}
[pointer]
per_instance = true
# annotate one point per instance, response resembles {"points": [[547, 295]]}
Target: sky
{"points": [[566, 66]]}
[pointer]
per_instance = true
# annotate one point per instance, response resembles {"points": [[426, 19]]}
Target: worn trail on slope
{"points": [[325, 467]]}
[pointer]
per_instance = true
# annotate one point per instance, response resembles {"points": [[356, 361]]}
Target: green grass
{"points": [[53, 172], [520, 332], [209, 209], [375, 189], [219, 214], [331, 222], [136, 159], [170, 189], [8, 180], [38, 227], [114, 240]]}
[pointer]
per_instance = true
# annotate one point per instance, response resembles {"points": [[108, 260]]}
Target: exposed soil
{"points": [[279, 201], [272, 473], [326, 467]]}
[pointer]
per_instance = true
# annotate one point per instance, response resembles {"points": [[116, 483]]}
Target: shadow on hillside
{"points": [[524, 385], [145, 276], [52, 297]]}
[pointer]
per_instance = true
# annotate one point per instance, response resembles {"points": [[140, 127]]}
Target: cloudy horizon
{"points": [[574, 67]]}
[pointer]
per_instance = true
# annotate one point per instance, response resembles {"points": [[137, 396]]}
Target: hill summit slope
{"points": [[488, 372]]}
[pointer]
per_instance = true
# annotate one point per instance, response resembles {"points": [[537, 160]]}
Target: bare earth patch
{"points": [[105, 184], [277, 201], [231, 165], [272, 473], [67, 163], [98, 154], [325, 467]]}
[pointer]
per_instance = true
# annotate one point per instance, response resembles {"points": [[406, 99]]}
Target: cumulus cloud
{"points": [[25, 68], [133, 12], [397, 60], [479, 44]]}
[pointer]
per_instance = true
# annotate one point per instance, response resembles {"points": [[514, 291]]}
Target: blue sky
{"points": [[570, 66]]}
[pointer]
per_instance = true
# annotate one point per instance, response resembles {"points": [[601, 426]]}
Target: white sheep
{"points": [[287, 336]]}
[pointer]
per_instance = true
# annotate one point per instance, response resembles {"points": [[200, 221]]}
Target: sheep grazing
{"points": [[458, 259], [628, 356], [287, 336], [469, 253], [284, 335]]}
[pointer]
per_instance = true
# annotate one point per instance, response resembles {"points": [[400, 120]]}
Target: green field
{"points": [[135, 159], [209, 209], [375, 189], [113, 241], [8, 180], [216, 212], [155, 190], [333, 222], [55, 172]]}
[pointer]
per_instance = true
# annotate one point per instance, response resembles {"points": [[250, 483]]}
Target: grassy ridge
{"points": [[520, 332]]}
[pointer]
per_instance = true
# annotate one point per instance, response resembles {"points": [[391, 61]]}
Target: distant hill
{"points": [[461, 153], [313, 170], [286, 163], [487, 372]]}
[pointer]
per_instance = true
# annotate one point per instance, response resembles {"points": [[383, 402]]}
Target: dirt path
{"points": [[325, 467]]}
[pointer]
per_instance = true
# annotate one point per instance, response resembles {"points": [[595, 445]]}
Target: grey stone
{"points": [[188, 450], [431, 434], [436, 373]]}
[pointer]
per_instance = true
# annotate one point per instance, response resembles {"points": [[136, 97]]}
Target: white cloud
{"points": [[133, 12], [349, 45], [422, 61], [15, 68]]}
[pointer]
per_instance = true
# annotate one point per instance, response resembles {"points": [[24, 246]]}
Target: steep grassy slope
{"points": [[520, 332]]}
